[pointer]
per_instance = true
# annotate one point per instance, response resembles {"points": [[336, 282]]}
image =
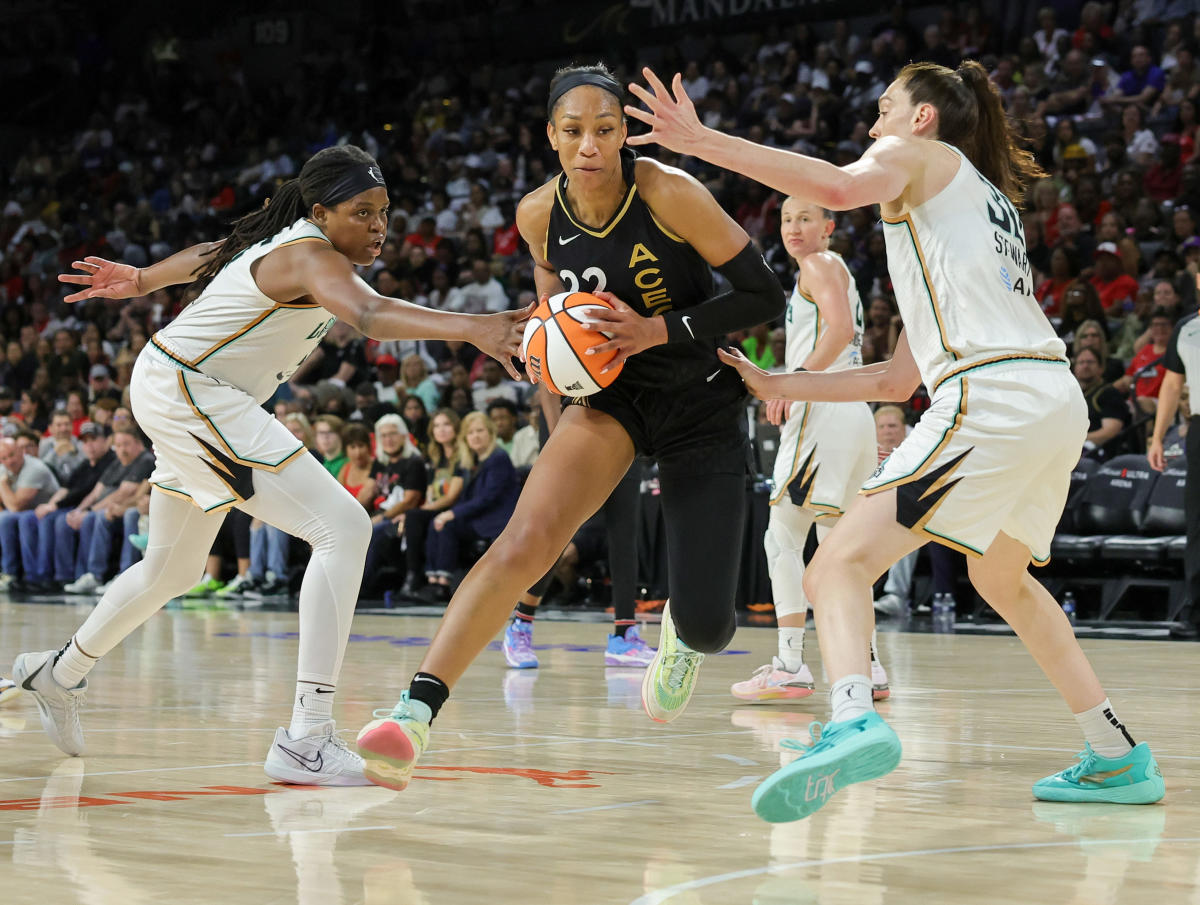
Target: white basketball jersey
{"points": [[963, 283], [805, 326], [235, 333]]}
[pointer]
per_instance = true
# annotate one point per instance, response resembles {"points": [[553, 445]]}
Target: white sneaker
{"points": [[5, 581], [891, 605], [317, 759], [57, 706], [8, 690], [86, 584], [879, 682]]}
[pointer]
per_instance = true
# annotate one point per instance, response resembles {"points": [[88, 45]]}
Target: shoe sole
{"points": [[293, 777], [880, 693], [388, 755], [1148, 791], [9, 693], [800, 789], [775, 694]]}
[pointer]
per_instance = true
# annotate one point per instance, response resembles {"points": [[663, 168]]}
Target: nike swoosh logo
{"points": [[324, 691], [28, 683], [709, 378], [1106, 774], [687, 323], [309, 763], [562, 241], [423, 679]]}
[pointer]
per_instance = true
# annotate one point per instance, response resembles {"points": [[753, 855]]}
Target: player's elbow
{"points": [[897, 387]]}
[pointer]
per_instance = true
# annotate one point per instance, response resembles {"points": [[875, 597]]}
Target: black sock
{"points": [[429, 690], [526, 611], [622, 626]]}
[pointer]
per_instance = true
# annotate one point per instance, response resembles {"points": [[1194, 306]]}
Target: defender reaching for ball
{"points": [[987, 469], [643, 236]]}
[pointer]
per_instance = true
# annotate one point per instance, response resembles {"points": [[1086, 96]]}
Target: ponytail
{"points": [[971, 117], [322, 177]]}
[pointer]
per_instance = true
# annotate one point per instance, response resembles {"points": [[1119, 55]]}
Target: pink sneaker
{"points": [[772, 682], [879, 682]]}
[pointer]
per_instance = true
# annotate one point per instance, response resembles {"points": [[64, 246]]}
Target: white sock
{"points": [[874, 646], [791, 647], [1104, 732], [72, 665], [313, 706], [850, 697]]}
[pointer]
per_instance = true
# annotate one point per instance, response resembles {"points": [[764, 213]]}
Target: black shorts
{"points": [[698, 428]]}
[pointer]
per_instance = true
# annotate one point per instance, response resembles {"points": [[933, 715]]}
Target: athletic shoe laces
{"points": [[679, 666], [1086, 766]]}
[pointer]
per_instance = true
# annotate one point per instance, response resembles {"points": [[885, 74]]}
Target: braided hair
{"points": [[292, 200]]}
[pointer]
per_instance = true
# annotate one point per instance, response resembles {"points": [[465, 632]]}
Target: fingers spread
{"points": [[77, 278], [654, 81]]}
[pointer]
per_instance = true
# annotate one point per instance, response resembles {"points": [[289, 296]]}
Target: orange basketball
{"points": [[556, 342]]}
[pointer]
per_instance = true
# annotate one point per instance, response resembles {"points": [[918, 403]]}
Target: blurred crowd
{"points": [[167, 153]]}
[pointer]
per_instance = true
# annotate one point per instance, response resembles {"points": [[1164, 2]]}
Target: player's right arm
{"points": [[112, 280], [894, 380]]}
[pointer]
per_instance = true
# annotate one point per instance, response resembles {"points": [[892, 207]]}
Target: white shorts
{"points": [[993, 453], [826, 451], [209, 436]]}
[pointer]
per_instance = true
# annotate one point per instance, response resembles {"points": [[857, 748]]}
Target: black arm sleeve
{"points": [[756, 297]]}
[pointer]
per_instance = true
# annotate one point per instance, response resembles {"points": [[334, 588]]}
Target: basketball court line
{"points": [[609, 807], [669, 892], [353, 829]]}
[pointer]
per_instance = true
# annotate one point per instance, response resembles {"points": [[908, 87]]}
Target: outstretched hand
{"points": [[757, 381], [500, 336], [106, 279], [672, 115], [628, 332]]}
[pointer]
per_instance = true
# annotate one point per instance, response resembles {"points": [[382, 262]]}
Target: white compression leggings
{"points": [[787, 532], [303, 500]]}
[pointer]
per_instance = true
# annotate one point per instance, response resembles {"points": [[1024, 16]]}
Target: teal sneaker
{"points": [[391, 743], [1132, 779], [669, 679], [840, 754]]}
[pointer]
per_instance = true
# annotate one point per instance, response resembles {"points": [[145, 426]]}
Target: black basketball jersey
{"points": [[649, 268]]}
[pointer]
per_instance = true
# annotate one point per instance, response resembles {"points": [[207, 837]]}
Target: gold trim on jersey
{"points": [[278, 306], [1024, 356], [608, 227], [666, 232], [923, 467], [167, 352], [907, 221], [274, 468], [184, 495], [301, 239]]}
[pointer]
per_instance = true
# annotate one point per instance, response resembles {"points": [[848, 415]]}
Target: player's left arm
{"points": [[687, 209], [114, 280], [828, 284]]}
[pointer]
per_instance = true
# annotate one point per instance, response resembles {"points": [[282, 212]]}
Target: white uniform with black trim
{"points": [[826, 449], [994, 451], [199, 384]]}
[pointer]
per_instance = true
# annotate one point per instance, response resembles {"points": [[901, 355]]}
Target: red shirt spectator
{"points": [[426, 236], [506, 241], [1113, 285]]}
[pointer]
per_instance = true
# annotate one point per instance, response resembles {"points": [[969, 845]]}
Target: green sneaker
{"points": [[206, 588], [391, 743], [841, 753], [669, 679], [1132, 779]]}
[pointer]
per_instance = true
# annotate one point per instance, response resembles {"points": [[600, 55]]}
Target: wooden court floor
{"points": [[551, 786]]}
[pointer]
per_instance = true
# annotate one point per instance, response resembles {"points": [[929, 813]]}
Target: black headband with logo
{"points": [[575, 79], [356, 179]]}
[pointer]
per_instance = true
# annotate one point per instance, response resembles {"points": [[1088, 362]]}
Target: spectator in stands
{"points": [[1073, 233], [487, 501], [1090, 335], [1146, 370], [357, 474], [1140, 143], [1064, 270], [68, 364], [340, 359], [445, 485], [416, 416], [25, 483], [38, 527], [1163, 179], [387, 371], [401, 479], [1134, 331], [493, 384], [327, 437], [93, 525], [482, 294], [415, 381], [1116, 289], [1108, 412], [59, 449], [1141, 84], [100, 385]]}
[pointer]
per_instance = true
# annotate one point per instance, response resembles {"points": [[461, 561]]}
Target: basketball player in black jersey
{"points": [[646, 237]]}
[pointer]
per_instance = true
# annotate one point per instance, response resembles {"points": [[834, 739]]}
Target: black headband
{"points": [[356, 179], [575, 79]]}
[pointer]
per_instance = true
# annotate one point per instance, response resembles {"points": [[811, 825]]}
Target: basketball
{"points": [[556, 343]]}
